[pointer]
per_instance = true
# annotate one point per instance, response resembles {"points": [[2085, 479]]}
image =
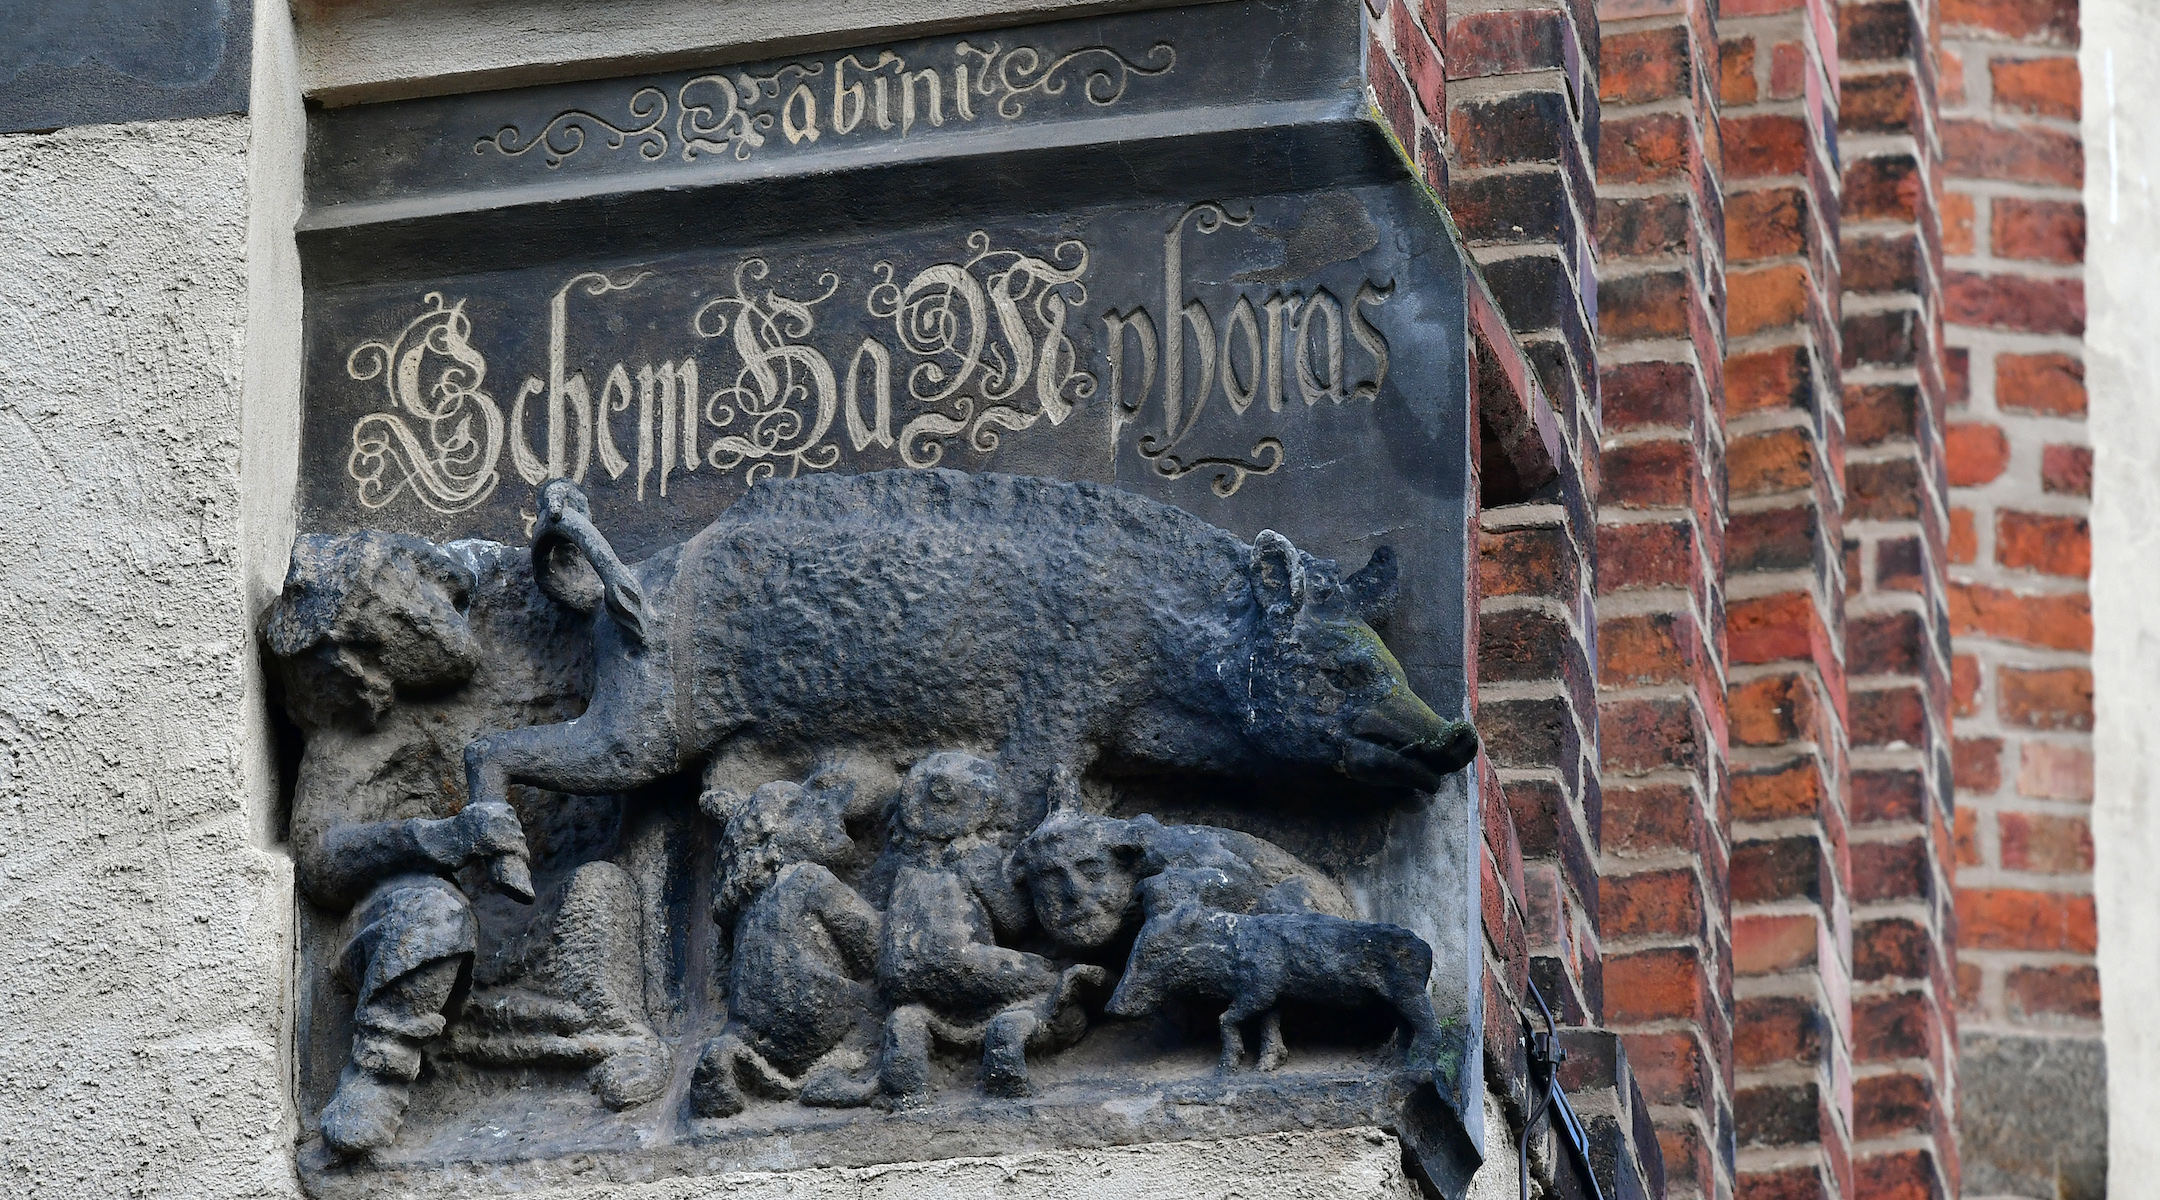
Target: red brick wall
{"points": [[2020, 479], [1785, 578], [1663, 912], [1800, 282], [1897, 643]]}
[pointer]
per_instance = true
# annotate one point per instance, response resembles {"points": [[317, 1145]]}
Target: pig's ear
{"points": [[1372, 590], [1278, 573]]}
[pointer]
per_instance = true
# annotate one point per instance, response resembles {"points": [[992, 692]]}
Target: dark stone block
{"points": [[98, 62]]}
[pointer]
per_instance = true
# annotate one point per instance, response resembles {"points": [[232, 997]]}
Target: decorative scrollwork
{"points": [[448, 461], [742, 113], [783, 400], [1020, 72], [565, 133]]}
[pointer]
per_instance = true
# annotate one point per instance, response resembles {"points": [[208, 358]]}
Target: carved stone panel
{"points": [[883, 678]]}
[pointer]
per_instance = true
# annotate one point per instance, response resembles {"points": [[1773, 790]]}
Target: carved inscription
{"points": [[843, 96], [897, 364]]}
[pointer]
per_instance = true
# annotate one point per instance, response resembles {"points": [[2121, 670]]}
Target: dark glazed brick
{"points": [[1874, 32], [1777, 1116], [1514, 207], [1785, 869], [1523, 128], [1884, 871], [1887, 1105]]}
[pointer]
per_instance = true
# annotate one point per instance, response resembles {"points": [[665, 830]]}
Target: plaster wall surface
{"points": [[143, 919], [2120, 62], [360, 50]]}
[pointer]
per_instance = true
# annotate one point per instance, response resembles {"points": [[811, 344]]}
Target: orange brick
{"points": [[1654, 985], [1967, 838], [1767, 379], [1769, 942], [2055, 622], [1792, 790], [1974, 453], [2044, 542], [2047, 771], [1981, 150], [2043, 87], [2047, 22], [2037, 230], [1771, 710], [1968, 990], [1964, 685], [2045, 845], [2060, 698], [1776, 460], [2013, 919], [1964, 542], [2048, 384], [1957, 221], [1765, 223], [1736, 71], [1760, 146], [1653, 902], [1642, 66], [1765, 299], [1976, 764]]}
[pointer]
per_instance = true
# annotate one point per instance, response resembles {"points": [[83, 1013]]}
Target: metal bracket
{"points": [[1546, 1054]]}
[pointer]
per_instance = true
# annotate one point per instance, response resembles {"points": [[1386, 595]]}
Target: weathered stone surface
{"points": [[926, 437], [876, 910], [2033, 1118]]}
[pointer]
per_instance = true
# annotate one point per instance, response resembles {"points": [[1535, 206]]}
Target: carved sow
{"points": [[1042, 621]]}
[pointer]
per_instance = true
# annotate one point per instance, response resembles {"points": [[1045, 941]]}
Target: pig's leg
{"points": [[1242, 1008], [1272, 1049]]}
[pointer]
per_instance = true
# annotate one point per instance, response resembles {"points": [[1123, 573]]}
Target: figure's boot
{"points": [[904, 1060], [1004, 1064], [390, 1027], [715, 1089], [598, 960]]}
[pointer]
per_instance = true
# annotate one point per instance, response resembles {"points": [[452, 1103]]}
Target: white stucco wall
{"points": [[144, 911], [2121, 65]]}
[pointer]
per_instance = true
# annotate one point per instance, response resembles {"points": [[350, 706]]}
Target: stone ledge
{"points": [[1350, 1164], [355, 51]]}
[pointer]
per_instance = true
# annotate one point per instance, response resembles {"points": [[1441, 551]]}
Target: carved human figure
{"points": [[803, 944], [1083, 871], [940, 966], [392, 652]]}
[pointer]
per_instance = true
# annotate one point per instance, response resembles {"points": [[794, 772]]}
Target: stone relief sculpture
{"points": [[393, 652], [908, 699]]}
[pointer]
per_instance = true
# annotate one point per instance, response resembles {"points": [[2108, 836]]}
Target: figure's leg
{"points": [[717, 1087], [598, 962], [390, 1026], [904, 1062], [1004, 1062], [1272, 1049], [588, 757]]}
